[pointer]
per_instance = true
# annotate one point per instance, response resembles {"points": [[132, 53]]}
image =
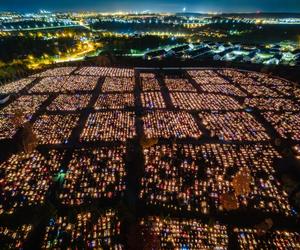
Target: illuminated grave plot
{"points": [[149, 82], [240, 126], [65, 84], [16, 86], [166, 233], [114, 101], [226, 89], [54, 129], [195, 178], [106, 71], [118, 84], [168, 124], [179, 84], [61, 71], [251, 239], [109, 126], [49, 84], [15, 238], [286, 124], [69, 103], [94, 174], [272, 104], [209, 80], [153, 100], [87, 231], [8, 127], [27, 178], [26, 105], [260, 91], [202, 73], [195, 101]]}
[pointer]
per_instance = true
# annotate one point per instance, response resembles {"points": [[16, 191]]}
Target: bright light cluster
{"points": [[27, 179], [16, 237], [88, 230], [94, 174], [59, 71], [208, 80], [286, 124], [117, 84], [114, 101], [226, 89], [179, 84], [24, 107], [250, 239], [149, 82], [54, 129], [240, 126], [272, 104], [195, 101], [80, 83], [168, 124], [69, 102], [183, 234], [104, 71], [232, 74], [202, 73], [15, 87], [289, 91], [152, 100], [109, 126], [49, 84], [7, 127], [260, 91], [27, 104], [268, 80], [65, 84], [194, 178]]}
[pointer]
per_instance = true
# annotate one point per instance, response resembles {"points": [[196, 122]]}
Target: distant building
{"points": [[177, 51], [224, 46], [250, 56], [158, 54], [221, 55], [213, 45], [275, 49], [236, 45], [275, 60], [198, 52]]}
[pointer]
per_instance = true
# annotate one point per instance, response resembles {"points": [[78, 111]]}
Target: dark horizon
{"points": [[154, 12], [219, 6]]}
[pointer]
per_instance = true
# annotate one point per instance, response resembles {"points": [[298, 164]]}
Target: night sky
{"points": [[154, 5]]}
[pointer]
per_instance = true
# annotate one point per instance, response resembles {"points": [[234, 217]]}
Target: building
{"points": [[194, 54], [179, 50], [157, 54]]}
